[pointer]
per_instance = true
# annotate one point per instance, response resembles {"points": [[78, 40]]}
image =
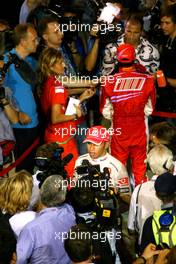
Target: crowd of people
{"points": [[85, 79]]}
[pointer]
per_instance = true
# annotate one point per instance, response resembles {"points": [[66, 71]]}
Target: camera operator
{"points": [[102, 33], [97, 139], [104, 236]]}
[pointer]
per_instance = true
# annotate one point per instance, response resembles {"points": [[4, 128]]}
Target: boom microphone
{"points": [[67, 159], [91, 168], [106, 173], [85, 162]]}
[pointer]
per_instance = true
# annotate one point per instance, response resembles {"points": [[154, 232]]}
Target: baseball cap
{"points": [[166, 183], [97, 135], [125, 53]]}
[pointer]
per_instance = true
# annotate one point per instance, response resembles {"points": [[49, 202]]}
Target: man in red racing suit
{"points": [[132, 97]]}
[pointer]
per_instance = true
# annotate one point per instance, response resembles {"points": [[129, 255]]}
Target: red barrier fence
{"points": [[22, 157]]}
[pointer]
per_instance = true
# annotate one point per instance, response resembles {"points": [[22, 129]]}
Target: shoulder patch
{"points": [[59, 89]]}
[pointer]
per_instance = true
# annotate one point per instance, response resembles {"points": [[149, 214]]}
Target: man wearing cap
{"points": [[160, 228], [132, 96], [144, 200], [97, 139]]}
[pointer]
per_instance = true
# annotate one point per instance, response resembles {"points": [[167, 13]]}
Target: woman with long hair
{"points": [[61, 128], [15, 196]]}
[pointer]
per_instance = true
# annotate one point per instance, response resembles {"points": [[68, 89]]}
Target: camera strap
{"points": [[26, 72], [23, 68], [136, 226]]}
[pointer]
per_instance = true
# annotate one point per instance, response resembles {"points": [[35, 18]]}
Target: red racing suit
{"points": [[62, 133], [129, 93]]}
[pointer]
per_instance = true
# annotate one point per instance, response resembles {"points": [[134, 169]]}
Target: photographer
{"points": [[104, 232], [97, 139], [21, 79], [102, 33]]}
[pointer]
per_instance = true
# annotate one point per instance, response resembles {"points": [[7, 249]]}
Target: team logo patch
{"points": [[128, 84]]}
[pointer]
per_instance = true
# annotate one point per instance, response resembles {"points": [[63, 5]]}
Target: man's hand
{"points": [[94, 30], [150, 251], [87, 94], [14, 259], [78, 110], [24, 119], [162, 256], [148, 254]]}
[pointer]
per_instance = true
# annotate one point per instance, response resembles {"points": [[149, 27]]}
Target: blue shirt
{"points": [[22, 91], [40, 242]]}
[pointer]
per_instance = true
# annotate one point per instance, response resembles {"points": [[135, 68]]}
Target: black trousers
{"points": [[24, 139]]}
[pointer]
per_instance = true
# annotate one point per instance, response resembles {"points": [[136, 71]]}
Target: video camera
{"points": [[21, 66], [97, 180], [106, 203], [54, 164], [13, 59], [110, 26], [6, 40]]}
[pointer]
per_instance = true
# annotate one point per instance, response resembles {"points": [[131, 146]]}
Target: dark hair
{"points": [[166, 133], [4, 22], [78, 244], [169, 12], [42, 27], [165, 198], [73, 9], [20, 32], [135, 19], [7, 240]]}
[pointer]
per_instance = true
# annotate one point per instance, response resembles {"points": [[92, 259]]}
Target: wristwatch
{"points": [[143, 259]]}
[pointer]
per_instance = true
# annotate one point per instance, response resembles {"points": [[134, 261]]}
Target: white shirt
{"points": [[174, 173], [19, 220], [147, 204], [24, 11], [118, 172], [146, 55]]}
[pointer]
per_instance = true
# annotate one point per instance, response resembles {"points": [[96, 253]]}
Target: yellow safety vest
{"points": [[163, 234]]}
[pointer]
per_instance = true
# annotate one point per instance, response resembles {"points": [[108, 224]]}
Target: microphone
{"points": [[93, 170], [85, 162], [106, 173], [67, 159]]}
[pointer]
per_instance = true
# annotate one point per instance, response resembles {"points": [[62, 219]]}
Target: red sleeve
{"points": [[103, 97], [104, 94], [53, 93], [58, 93]]}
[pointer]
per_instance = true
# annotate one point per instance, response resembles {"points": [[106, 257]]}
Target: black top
{"points": [[166, 100]]}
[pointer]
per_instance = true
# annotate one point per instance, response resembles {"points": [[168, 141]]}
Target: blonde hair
{"points": [[160, 159], [16, 191], [47, 60]]}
